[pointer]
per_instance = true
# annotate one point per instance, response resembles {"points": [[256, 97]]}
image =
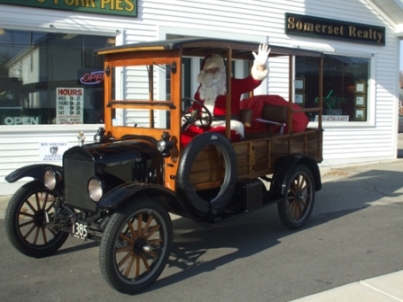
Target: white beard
{"points": [[212, 85]]}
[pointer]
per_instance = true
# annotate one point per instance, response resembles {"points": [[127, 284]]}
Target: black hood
{"points": [[114, 163], [115, 152]]}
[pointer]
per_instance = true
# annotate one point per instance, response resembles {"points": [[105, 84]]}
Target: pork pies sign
{"points": [[109, 7], [314, 27]]}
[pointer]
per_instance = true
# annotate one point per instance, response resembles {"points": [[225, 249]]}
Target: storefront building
{"points": [[51, 83]]}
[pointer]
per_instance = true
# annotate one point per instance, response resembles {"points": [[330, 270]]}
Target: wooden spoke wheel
{"points": [[296, 208], [136, 245], [27, 214]]}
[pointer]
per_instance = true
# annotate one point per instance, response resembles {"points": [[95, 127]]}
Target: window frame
{"points": [[370, 97], [48, 92]]}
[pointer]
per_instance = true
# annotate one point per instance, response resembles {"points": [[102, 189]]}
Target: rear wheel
{"points": [[297, 206], [136, 245], [26, 215]]}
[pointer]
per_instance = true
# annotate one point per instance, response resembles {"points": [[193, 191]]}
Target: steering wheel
{"points": [[198, 115]]}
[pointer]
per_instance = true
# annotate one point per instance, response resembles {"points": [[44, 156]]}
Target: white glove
{"points": [[262, 55]]}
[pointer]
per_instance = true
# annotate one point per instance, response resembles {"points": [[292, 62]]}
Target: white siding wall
{"points": [[261, 21]]}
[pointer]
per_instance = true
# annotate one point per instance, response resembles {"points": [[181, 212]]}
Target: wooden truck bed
{"points": [[257, 155]]}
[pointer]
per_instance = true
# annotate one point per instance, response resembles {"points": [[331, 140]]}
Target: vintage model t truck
{"points": [[121, 188]]}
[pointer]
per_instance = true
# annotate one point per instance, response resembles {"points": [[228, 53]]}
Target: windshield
{"points": [[140, 85]]}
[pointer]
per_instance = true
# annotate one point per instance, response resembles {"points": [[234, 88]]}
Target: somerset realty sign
{"points": [[333, 29]]}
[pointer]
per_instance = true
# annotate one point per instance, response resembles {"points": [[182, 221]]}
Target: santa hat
{"points": [[209, 62], [213, 61], [217, 61]]}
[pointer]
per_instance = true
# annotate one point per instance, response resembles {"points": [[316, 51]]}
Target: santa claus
{"points": [[213, 87]]}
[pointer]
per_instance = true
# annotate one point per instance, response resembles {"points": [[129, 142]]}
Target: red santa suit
{"points": [[212, 93], [238, 87], [212, 89]]}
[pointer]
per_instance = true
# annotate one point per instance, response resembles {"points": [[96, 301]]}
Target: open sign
{"points": [[92, 78]]}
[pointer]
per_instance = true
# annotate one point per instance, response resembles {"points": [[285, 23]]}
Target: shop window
{"points": [[50, 78], [345, 87]]}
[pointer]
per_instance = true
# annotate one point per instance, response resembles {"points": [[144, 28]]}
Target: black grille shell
{"points": [[114, 163], [77, 173]]}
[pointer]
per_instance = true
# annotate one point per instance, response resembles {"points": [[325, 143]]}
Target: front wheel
{"points": [[297, 206], [136, 245], [26, 217]]}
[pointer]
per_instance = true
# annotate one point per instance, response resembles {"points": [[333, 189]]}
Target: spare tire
{"points": [[217, 203]]}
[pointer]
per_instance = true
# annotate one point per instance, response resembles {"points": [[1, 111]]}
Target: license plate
{"points": [[79, 230]]}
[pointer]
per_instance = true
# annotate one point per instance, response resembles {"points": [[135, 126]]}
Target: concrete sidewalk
{"points": [[387, 288]]}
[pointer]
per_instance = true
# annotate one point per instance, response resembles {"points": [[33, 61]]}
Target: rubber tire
{"points": [[13, 231], [107, 253], [188, 157], [303, 171]]}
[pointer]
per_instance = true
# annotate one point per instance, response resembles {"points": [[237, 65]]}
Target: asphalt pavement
{"points": [[384, 288], [388, 287]]}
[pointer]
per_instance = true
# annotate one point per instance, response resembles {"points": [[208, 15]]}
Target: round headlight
{"points": [[50, 179], [161, 145], [95, 190]]}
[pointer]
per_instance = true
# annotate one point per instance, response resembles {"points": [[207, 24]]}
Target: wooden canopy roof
{"points": [[204, 46]]}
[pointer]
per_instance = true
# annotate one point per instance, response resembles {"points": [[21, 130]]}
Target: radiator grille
{"points": [[76, 176]]}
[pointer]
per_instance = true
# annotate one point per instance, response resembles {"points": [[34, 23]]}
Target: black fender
{"points": [[285, 167], [35, 171], [188, 157], [124, 193]]}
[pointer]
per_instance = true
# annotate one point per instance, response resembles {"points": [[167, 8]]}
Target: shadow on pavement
{"points": [[76, 248], [261, 230]]}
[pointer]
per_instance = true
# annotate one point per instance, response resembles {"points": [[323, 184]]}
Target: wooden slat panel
{"points": [[208, 169], [258, 157]]}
